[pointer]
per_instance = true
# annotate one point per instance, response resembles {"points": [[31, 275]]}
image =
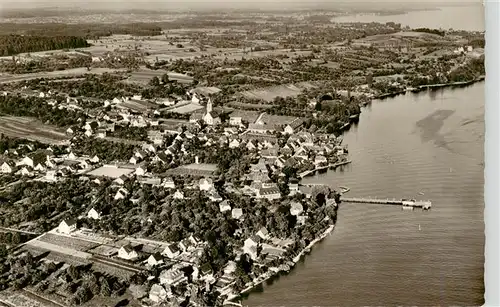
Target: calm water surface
{"points": [[430, 143], [470, 18]]}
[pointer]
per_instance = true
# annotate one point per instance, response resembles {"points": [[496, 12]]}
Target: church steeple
{"points": [[209, 105]]}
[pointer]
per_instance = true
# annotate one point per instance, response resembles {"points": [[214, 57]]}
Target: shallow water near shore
{"points": [[424, 146]]}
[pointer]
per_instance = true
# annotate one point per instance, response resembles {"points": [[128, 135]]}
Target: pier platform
{"points": [[410, 203]]}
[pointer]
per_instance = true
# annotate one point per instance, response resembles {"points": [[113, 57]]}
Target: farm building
{"points": [[67, 226]]}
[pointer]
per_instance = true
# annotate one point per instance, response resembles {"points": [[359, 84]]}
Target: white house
{"points": [[235, 120], [269, 193], [296, 208], [121, 194], [26, 161], [7, 167], [234, 143], [67, 226], [206, 184], [319, 160], [263, 233], [39, 167], [155, 259], [134, 160], [157, 293], [214, 196], [93, 214], [224, 206], [50, 175], [168, 183], [178, 195], [172, 277], [172, 251], [236, 213], [127, 252], [250, 247], [95, 159], [141, 170]]}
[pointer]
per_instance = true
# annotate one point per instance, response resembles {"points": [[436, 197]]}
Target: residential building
{"points": [[168, 183], [263, 233], [67, 226], [235, 120], [155, 259], [157, 293], [250, 246], [172, 251], [94, 214], [294, 126], [237, 213], [224, 206], [178, 195], [7, 167], [121, 194], [270, 193], [296, 208], [127, 252], [206, 184], [172, 277]]}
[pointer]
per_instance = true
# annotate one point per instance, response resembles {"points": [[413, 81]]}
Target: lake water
{"points": [[430, 143], [469, 18]]}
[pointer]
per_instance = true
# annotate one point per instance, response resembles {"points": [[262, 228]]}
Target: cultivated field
{"points": [[73, 243], [186, 108], [18, 299], [143, 76], [269, 93], [7, 78], [277, 119], [31, 129]]}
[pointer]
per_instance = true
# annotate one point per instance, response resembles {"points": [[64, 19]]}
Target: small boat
{"points": [[421, 193], [344, 190], [419, 228]]}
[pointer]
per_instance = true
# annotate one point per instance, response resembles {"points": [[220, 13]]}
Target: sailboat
{"points": [[419, 228]]}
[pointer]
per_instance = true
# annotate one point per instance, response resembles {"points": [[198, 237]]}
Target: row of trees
{"points": [[14, 44]]}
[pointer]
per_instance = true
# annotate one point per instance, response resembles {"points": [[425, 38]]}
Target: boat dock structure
{"points": [[405, 203]]}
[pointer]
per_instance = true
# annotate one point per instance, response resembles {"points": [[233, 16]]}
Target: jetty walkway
{"points": [[408, 203], [334, 165]]}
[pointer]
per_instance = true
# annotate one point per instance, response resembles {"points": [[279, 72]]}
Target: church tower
{"points": [[209, 105]]}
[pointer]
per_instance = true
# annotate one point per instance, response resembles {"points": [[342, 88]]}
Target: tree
{"points": [[73, 272], [165, 78], [154, 81]]}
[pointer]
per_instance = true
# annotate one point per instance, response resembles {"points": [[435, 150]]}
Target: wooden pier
{"points": [[405, 203]]}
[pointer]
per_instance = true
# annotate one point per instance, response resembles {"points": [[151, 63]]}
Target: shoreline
{"points": [[272, 273], [422, 88]]}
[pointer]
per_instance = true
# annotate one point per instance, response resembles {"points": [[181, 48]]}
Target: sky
{"points": [[166, 4]]}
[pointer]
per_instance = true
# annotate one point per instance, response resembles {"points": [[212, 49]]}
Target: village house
{"points": [[294, 126], [7, 167], [121, 194], [206, 184], [296, 208], [172, 251], [25, 171], [141, 170], [121, 180], [269, 193], [168, 183], [214, 196], [293, 186], [250, 246], [127, 252], [263, 233], [94, 214], [178, 195], [155, 259], [67, 226], [224, 206], [237, 213], [157, 293], [94, 159], [172, 277], [320, 160], [235, 121], [234, 143]]}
